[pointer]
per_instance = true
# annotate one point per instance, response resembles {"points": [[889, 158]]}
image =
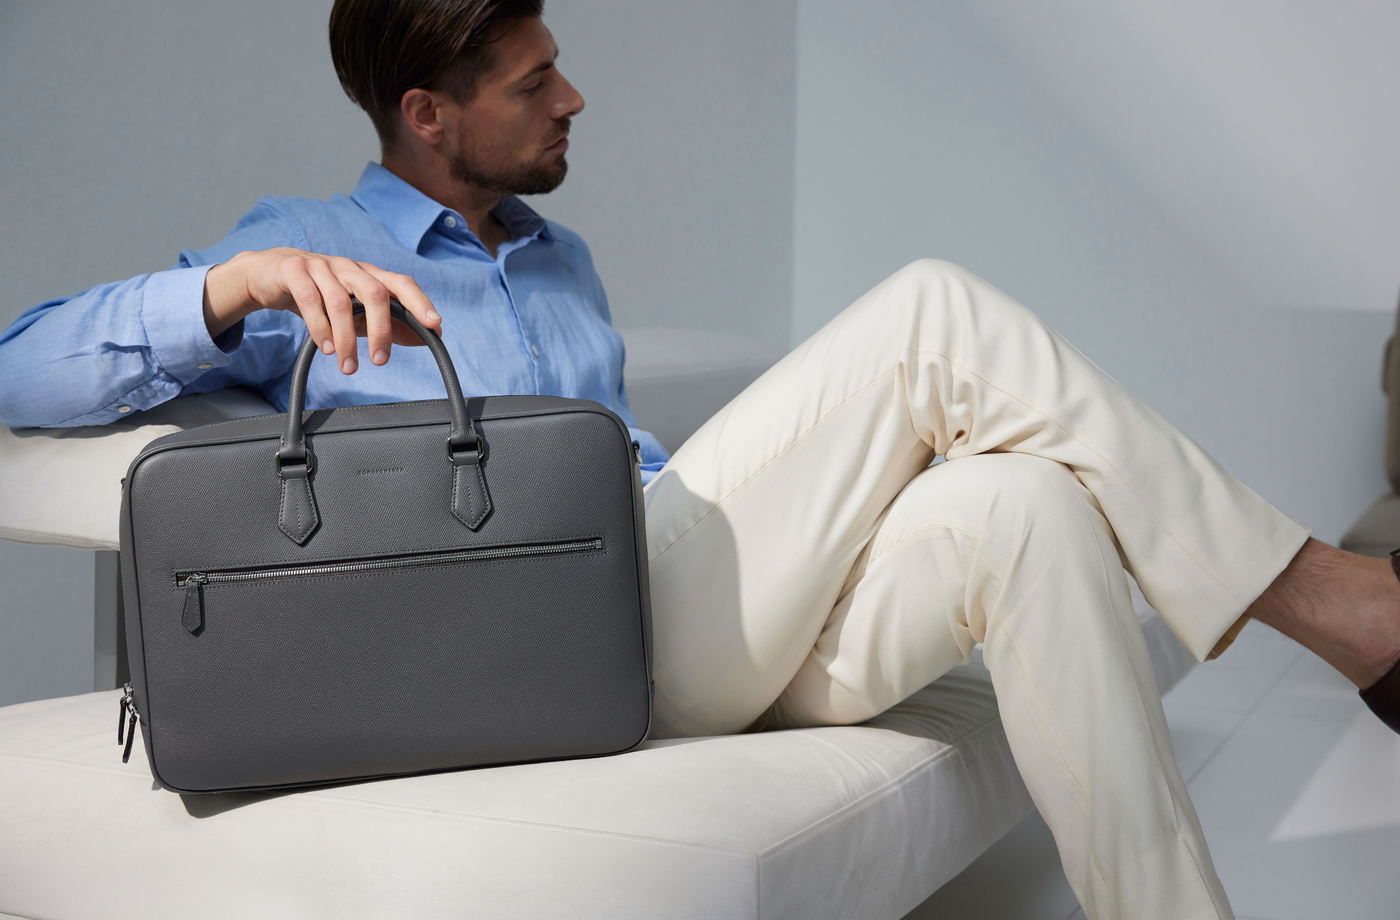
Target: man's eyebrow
{"points": [[540, 68]]}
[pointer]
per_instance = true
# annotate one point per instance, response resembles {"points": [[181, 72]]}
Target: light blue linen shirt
{"points": [[532, 320]]}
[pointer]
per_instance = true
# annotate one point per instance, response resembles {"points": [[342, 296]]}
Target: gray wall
{"points": [[921, 134], [46, 622], [129, 131], [681, 164]]}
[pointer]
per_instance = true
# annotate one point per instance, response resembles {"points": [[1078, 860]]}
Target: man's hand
{"points": [[317, 288]]}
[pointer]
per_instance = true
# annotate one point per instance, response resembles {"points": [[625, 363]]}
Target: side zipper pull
{"points": [[128, 706], [121, 718], [130, 736], [193, 616]]}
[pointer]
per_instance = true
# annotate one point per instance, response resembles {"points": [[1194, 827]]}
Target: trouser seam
{"points": [[1118, 632], [1084, 797]]}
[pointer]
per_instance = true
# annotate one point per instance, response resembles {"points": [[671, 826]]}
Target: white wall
{"points": [[921, 133]]}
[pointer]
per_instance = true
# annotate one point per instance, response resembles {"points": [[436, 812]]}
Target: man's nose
{"points": [[569, 103]]}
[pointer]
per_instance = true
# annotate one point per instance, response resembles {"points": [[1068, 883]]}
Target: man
{"points": [[808, 566]]}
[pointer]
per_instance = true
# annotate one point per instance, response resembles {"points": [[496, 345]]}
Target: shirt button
{"points": [[450, 221], [123, 409], [205, 367], [535, 350]]}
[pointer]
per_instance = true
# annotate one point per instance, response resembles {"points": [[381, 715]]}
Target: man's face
{"points": [[511, 138]]}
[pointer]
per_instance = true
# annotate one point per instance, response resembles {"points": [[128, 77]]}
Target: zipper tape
{"points": [[192, 615]]}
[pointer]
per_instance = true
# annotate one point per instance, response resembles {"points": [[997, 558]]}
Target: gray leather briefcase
{"points": [[385, 590]]}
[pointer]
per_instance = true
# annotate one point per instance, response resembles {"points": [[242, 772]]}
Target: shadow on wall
{"points": [[678, 378]]}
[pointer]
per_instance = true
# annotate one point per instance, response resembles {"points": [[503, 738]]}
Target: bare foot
{"points": [[1344, 607]]}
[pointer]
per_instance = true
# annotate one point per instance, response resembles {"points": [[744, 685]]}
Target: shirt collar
{"points": [[409, 214]]}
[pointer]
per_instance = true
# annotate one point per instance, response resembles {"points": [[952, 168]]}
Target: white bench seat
{"points": [[847, 822]]}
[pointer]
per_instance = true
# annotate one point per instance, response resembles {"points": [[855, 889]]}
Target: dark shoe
{"points": [[1384, 695]]}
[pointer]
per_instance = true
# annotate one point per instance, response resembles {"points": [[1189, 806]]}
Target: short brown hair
{"points": [[384, 48]]}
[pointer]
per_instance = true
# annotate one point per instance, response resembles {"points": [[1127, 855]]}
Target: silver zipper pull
{"points": [[121, 713], [193, 615], [128, 709]]}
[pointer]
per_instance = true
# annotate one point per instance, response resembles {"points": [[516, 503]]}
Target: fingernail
{"points": [[327, 347], [433, 314], [349, 366], [381, 356]]}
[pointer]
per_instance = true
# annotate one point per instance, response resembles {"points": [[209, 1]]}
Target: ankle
{"points": [[1343, 607]]}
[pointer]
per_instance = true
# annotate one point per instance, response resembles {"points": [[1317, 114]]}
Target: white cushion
{"points": [[850, 822], [62, 486]]}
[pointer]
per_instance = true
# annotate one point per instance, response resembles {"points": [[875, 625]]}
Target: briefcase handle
{"points": [[471, 502]]}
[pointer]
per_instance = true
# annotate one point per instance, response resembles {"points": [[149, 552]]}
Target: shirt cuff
{"points": [[172, 312]]}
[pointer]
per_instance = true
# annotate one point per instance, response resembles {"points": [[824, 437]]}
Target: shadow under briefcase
{"points": [[385, 590]]}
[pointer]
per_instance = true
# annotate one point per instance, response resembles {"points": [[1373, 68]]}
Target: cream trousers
{"points": [[808, 563]]}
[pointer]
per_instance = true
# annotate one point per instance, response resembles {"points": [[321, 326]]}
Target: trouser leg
{"points": [[754, 525], [1014, 552]]}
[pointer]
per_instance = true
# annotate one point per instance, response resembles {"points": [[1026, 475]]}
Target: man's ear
{"points": [[422, 114]]}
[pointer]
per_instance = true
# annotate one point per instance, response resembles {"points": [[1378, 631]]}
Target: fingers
{"points": [[320, 289], [336, 298], [409, 294], [295, 276], [375, 297]]}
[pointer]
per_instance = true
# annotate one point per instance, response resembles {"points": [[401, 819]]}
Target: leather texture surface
{"points": [[296, 515], [471, 502], [331, 676]]}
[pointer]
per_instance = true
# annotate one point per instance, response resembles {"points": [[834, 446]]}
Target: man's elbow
{"points": [[16, 411], [29, 400], [20, 405]]}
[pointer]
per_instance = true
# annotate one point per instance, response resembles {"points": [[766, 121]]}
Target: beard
{"points": [[470, 163]]}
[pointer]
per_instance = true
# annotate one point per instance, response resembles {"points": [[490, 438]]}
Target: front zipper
{"points": [[194, 582]]}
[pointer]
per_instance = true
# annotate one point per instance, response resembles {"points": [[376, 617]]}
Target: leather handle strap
{"points": [[463, 437], [471, 502]]}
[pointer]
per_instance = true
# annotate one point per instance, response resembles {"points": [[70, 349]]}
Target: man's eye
{"points": [[534, 88]]}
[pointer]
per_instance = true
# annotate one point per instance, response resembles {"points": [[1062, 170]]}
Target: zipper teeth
{"points": [[504, 552]]}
